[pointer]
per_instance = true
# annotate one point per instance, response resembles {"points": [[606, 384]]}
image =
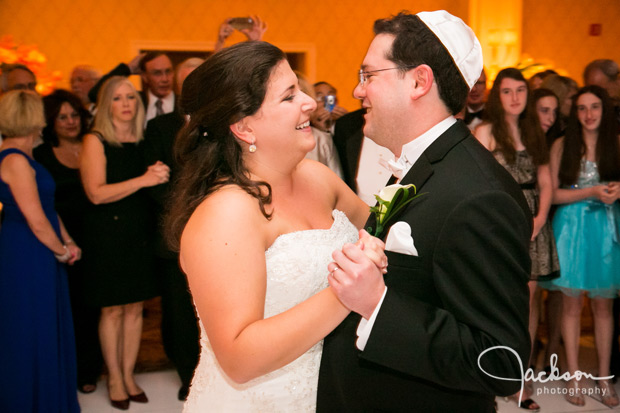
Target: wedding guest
{"points": [[255, 32], [118, 231], [83, 78], [157, 76], [536, 80], [326, 113], [256, 223], [324, 150], [547, 108], [546, 103], [603, 73], [122, 69], [474, 107], [67, 121], [17, 77], [179, 327], [512, 132], [564, 88], [586, 180], [37, 349]]}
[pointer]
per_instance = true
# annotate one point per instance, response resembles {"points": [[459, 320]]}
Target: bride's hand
{"points": [[374, 249]]}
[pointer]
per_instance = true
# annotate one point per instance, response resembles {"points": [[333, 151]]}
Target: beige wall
{"points": [[335, 33], [556, 32]]}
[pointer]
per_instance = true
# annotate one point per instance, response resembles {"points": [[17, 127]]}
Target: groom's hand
{"points": [[356, 280], [374, 249]]}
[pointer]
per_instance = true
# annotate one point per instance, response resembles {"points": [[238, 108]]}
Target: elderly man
{"points": [[17, 76], [430, 334], [83, 78], [603, 73]]}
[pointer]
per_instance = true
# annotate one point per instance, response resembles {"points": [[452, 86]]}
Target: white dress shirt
{"points": [[167, 105], [410, 153], [372, 172]]}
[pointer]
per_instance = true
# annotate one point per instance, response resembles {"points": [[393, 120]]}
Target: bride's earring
{"points": [[252, 147]]}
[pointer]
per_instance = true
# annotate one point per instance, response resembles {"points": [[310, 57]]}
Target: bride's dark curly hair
{"points": [[229, 86]]}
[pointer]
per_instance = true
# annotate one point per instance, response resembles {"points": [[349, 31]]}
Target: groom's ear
{"points": [[243, 131], [422, 78]]}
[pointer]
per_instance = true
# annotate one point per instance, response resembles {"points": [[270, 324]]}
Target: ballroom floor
{"points": [[161, 383], [162, 386]]}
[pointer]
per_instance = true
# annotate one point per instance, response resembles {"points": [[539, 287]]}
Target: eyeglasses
{"points": [[25, 86], [364, 75]]}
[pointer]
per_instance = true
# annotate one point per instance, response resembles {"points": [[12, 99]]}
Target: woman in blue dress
{"points": [[37, 351], [585, 166]]}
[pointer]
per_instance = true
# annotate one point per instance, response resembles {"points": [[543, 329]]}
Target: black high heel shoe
{"points": [[527, 404], [139, 398], [120, 404]]}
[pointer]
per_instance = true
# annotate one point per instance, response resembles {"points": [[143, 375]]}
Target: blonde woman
{"points": [[118, 230]]}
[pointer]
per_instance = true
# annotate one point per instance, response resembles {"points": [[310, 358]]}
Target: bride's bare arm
{"points": [[223, 254]]}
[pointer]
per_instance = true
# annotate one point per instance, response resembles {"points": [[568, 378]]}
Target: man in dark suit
{"points": [[429, 334], [348, 138], [474, 108], [179, 326]]}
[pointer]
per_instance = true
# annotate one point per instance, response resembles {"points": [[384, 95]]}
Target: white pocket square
{"points": [[399, 239]]}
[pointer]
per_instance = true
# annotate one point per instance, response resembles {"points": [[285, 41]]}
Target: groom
{"points": [[461, 287]]}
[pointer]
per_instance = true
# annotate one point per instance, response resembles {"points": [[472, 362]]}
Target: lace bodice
{"points": [[296, 266]]}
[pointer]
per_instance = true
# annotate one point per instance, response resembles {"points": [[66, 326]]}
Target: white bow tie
{"points": [[397, 167]]}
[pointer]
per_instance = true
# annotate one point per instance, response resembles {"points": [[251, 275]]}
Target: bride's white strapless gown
{"points": [[296, 270]]}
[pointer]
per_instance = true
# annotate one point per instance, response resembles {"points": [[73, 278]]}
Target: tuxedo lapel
{"points": [[419, 173], [422, 170]]}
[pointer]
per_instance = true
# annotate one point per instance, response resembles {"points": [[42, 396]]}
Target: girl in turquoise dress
{"points": [[585, 166]]}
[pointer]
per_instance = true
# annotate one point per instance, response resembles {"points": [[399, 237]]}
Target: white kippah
{"points": [[459, 40]]}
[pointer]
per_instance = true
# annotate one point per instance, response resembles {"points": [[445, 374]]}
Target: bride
{"points": [[257, 224]]}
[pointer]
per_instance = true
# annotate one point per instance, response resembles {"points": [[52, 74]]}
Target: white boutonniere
{"points": [[391, 200]]}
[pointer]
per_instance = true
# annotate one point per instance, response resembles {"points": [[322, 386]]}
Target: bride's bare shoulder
{"points": [[229, 209]]}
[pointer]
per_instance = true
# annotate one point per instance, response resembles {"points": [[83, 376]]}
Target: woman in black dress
{"points": [[119, 230], [67, 122]]}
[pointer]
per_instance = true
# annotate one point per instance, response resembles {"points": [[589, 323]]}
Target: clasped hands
{"points": [[608, 193], [356, 274], [158, 173], [71, 255]]}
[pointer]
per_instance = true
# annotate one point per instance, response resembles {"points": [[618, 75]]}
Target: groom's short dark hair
{"points": [[415, 44]]}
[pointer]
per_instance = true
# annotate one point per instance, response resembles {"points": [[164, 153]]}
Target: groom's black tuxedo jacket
{"points": [[464, 293]]}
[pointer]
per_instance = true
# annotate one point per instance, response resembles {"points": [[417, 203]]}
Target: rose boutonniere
{"points": [[390, 201]]}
